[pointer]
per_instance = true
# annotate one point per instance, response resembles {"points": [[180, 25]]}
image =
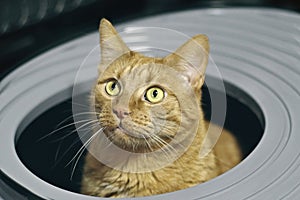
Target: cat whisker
{"points": [[93, 122], [57, 151], [75, 164], [110, 138], [73, 143], [148, 144], [87, 122], [81, 151], [83, 146], [61, 128], [75, 115], [170, 147], [174, 140], [79, 104], [161, 146], [89, 128], [168, 131], [58, 160]]}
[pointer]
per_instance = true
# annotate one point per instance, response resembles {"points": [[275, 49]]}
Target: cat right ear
{"points": [[191, 59], [111, 44]]}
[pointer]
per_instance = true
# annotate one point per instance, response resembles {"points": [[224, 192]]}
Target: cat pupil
{"points": [[113, 86], [155, 93]]}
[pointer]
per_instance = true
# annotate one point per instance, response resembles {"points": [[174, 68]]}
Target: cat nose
{"points": [[121, 112]]}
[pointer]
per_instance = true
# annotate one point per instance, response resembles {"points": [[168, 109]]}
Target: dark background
{"points": [[30, 27]]}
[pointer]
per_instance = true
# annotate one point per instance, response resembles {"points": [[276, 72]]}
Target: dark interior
{"points": [[48, 157]]}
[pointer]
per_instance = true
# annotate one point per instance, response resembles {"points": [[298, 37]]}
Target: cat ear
{"points": [[111, 44], [191, 58]]}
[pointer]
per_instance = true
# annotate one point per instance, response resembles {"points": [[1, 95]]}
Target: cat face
{"points": [[139, 110], [142, 102]]}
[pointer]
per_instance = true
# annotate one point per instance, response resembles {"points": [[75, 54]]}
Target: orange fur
{"points": [[137, 72]]}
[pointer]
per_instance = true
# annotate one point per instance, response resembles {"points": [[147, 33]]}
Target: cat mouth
{"points": [[131, 134], [120, 128]]}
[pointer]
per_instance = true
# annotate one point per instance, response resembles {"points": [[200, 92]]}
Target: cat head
{"points": [[143, 103]]}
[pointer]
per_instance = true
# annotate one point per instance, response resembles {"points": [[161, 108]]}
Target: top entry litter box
{"points": [[261, 105]]}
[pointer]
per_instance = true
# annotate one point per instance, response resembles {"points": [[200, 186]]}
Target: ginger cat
{"points": [[150, 109]]}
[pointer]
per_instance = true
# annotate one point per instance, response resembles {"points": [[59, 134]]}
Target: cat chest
{"points": [[144, 184]]}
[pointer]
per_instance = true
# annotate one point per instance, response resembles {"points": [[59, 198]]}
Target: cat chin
{"points": [[125, 140], [123, 132], [119, 134], [133, 142]]}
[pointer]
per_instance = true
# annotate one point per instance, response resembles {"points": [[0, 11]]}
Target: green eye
{"points": [[112, 88], [154, 95]]}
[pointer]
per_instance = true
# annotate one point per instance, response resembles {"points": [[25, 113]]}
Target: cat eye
{"points": [[154, 95], [112, 88]]}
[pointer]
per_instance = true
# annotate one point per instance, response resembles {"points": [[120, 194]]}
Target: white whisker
{"points": [[169, 147], [89, 128], [79, 104], [81, 151], [73, 143], [83, 146], [148, 144], [75, 115], [61, 128], [160, 145]]}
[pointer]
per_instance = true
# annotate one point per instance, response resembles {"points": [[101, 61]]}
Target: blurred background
{"points": [[30, 27]]}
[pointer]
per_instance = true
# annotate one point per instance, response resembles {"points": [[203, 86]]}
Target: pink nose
{"points": [[121, 113]]}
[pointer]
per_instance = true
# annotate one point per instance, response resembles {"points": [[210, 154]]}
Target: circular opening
{"points": [[52, 156]]}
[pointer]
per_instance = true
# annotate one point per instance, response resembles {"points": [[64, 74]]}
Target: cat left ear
{"points": [[111, 44], [191, 59]]}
